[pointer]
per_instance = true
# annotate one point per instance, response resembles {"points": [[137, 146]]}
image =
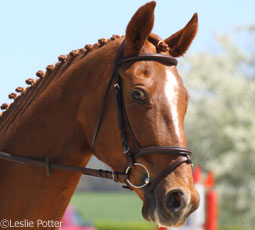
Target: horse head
{"points": [[155, 103]]}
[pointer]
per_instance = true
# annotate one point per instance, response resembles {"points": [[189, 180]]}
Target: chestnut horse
{"points": [[55, 118]]}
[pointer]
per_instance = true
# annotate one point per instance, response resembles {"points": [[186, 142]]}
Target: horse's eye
{"points": [[139, 96]]}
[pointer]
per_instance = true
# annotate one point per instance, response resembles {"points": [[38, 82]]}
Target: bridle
{"points": [[124, 125], [184, 154]]}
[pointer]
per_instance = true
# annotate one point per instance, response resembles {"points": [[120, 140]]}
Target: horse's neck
{"points": [[50, 127], [31, 93]]}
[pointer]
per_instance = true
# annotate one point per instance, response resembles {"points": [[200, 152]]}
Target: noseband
{"points": [[124, 125], [183, 154]]}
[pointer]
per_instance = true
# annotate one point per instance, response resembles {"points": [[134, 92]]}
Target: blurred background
{"points": [[218, 70]]}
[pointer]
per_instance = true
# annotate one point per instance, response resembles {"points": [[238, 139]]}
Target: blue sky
{"points": [[35, 33]]}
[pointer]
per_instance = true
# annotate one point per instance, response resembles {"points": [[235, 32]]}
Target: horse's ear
{"points": [[139, 28], [181, 40]]}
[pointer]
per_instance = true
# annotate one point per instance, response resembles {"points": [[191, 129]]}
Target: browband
{"points": [[162, 58]]}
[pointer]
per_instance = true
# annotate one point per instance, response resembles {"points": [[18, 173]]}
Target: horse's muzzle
{"points": [[171, 210]]}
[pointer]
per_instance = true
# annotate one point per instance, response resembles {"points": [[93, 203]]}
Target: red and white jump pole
{"points": [[211, 222]]}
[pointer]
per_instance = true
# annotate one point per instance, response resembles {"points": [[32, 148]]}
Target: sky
{"points": [[35, 33]]}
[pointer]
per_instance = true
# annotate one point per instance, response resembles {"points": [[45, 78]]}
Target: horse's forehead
{"points": [[153, 73], [154, 76]]}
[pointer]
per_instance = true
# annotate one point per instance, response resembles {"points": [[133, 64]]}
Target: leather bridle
{"points": [[183, 154], [124, 125]]}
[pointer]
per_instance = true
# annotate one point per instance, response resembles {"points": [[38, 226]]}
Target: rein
{"points": [[48, 166], [184, 154]]}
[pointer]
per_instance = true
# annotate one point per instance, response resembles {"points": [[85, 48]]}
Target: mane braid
{"points": [[37, 87], [160, 44]]}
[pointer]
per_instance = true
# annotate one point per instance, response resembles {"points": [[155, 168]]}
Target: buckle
{"points": [[116, 86]]}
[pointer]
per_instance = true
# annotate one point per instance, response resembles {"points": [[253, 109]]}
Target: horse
{"points": [[121, 100]]}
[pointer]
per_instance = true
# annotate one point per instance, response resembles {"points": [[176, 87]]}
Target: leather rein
{"points": [[184, 154]]}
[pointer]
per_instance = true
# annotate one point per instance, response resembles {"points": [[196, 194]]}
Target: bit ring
{"points": [[146, 181]]}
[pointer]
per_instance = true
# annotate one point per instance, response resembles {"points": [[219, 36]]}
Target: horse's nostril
{"points": [[175, 201]]}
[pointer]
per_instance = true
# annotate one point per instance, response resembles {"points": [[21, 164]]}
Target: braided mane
{"points": [[25, 96]]}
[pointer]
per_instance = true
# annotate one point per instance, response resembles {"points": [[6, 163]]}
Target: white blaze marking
{"points": [[171, 93]]}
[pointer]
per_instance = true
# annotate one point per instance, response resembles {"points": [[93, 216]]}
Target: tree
{"points": [[221, 126]]}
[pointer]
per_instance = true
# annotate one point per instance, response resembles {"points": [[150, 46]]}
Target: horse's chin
{"points": [[161, 218], [149, 207]]}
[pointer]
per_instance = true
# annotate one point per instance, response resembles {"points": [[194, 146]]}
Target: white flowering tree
{"points": [[221, 125]]}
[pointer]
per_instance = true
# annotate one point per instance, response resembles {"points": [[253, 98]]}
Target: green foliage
{"points": [[110, 208], [221, 126], [234, 227], [116, 225]]}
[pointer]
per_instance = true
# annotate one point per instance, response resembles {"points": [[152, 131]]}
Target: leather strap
{"points": [[103, 106], [116, 176], [123, 134], [164, 59], [180, 160], [162, 150], [101, 115]]}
